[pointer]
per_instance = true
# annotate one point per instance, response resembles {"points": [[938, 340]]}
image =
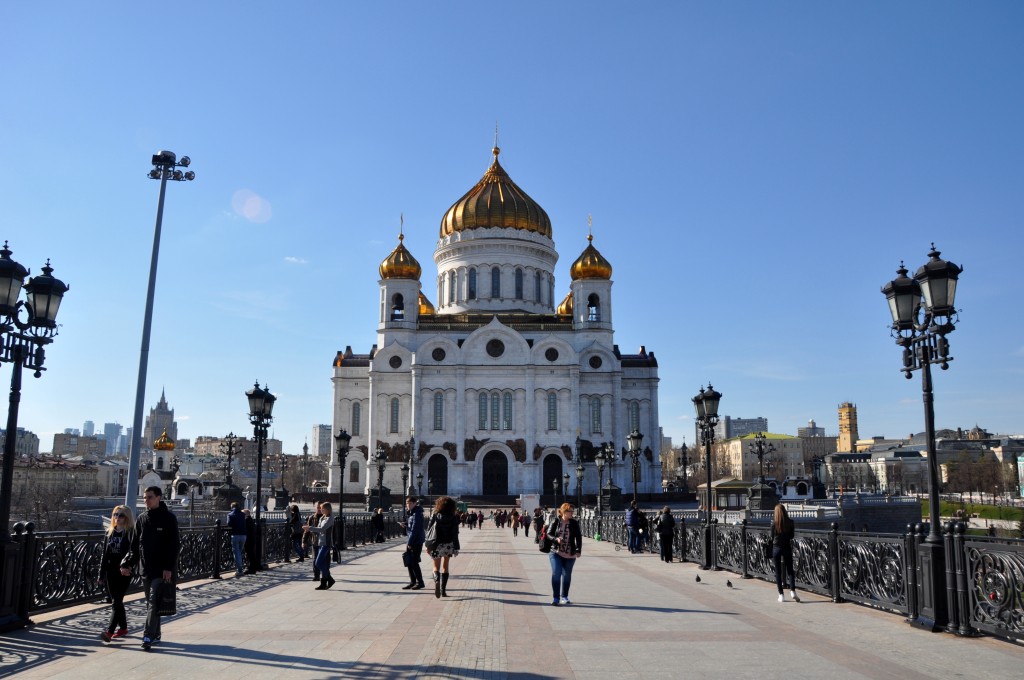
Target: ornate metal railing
{"points": [[59, 569]]}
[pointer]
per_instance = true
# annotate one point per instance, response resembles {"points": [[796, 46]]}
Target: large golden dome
{"points": [[496, 201], [565, 306], [400, 264], [426, 306], [164, 443], [590, 264]]}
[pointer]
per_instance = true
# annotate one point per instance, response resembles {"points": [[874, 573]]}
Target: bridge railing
{"points": [[64, 568], [984, 576]]}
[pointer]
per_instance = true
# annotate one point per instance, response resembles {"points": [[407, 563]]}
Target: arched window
{"points": [[438, 410], [536, 287], [593, 307], [506, 420], [394, 415], [552, 411], [482, 412], [451, 287], [495, 411], [519, 284], [353, 471], [397, 307], [356, 409], [471, 288], [595, 416], [495, 282], [634, 415], [160, 463]]}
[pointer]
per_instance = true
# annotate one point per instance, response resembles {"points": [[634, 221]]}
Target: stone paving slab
{"points": [[632, 616]]}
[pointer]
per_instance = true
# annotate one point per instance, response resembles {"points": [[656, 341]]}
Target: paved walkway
{"points": [[632, 616]]}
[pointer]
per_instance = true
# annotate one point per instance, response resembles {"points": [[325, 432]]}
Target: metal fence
{"points": [[984, 576], [60, 569]]}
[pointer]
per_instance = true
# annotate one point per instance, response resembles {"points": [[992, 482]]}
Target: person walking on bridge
{"points": [[783, 531], [446, 541], [567, 547], [325, 533], [414, 543]]}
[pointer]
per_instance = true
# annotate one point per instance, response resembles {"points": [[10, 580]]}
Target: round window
{"points": [[395, 362], [495, 348], [595, 362], [438, 354], [551, 354]]}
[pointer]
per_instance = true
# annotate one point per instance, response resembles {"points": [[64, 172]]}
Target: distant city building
{"points": [[26, 444], [159, 420], [848, 435], [89, 428], [323, 440], [812, 430], [112, 431], [73, 430], [729, 427], [77, 446], [787, 460], [46, 477]]}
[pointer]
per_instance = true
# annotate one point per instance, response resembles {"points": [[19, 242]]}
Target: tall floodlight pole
{"points": [[165, 167]]}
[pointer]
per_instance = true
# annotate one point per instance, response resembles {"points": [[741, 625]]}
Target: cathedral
{"points": [[497, 388]]}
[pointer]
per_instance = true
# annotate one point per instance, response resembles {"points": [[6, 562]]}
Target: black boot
{"points": [[330, 581], [437, 585], [444, 584], [322, 586]]}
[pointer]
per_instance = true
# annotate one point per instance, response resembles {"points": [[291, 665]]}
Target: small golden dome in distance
{"points": [[565, 306], [164, 443], [400, 264], [591, 264], [426, 307]]}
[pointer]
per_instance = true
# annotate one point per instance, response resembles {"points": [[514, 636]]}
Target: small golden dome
{"points": [[496, 201], [400, 264], [426, 308], [565, 306], [590, 264], [164, 443]]}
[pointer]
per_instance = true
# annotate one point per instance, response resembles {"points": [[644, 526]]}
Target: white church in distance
{"points": [[498, 388]]}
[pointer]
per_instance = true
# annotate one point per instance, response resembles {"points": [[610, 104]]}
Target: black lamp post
{"points": [[554, 488], [408, 490], [405, 478], [165, 167], [565, 488], [21, 344], [579, 475], [227, 446], [762, 496], [599, 462], [342, 440], [261, 410], [633, 440], [706, 405], [382, 460], [284, 471], [305, 465], [921, 330], [419, 483], [684, 463]]}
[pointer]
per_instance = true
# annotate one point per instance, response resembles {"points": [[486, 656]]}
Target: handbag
{"points": [[544, 543], [168, 599], [407, 558], [430, 540]]}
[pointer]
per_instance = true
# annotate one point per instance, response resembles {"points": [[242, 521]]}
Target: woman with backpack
{"points": [[442, 541]]}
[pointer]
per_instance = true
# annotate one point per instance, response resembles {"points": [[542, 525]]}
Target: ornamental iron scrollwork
{"points": [[811, 562], [871, 571], [759, 562], [694, 543], [996, 585], [728, 547]]}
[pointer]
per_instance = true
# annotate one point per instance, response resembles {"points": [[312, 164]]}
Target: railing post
{"points": [[913, 610], [962, 592], [744, 566], [681, 535], [27, 588], [833, 562], [953, 626], [713, 545], [215, 572], [262, 529]]}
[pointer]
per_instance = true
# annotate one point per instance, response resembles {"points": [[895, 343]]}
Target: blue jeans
{"points": [[323, 561], [297, 545], [634, 540], [561, 574], [238, 548]]}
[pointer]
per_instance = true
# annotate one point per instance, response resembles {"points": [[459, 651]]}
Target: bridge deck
{"points": [[632, 616]]}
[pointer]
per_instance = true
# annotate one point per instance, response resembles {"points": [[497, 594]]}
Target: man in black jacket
{"points": [[157, 530]]}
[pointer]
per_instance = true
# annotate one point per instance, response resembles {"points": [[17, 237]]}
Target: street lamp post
{"points": [[554, 489], [633, 440], [599, 462], [408, 490], [305, 466], [21, 344], [382, 460], [419, 483], [342, 440], [227, 447], [762, 496], [165, 167], [405, 478], [284, 472], [706, 405], [565, 488], [261, 413], [920, 328], [684, 463], [579, 475]]}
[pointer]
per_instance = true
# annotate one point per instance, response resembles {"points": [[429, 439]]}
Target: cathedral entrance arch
{"points": [[437, 476], [552, 472], [495, 471]]}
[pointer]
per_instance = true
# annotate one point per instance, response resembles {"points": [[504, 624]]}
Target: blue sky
{"points": [[755, 172]]}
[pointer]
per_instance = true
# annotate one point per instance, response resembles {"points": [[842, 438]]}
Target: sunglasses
{"points": [[121, 515]]}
